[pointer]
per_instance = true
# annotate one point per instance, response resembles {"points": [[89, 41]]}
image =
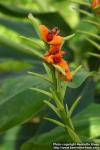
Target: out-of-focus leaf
{"points": [[87, 124], [35, 22], [40, 76], [10, 139], [17, 102], [88, 121], [92, 22], [20, 47], [89, 34], [86, 91], [80, 2], [13, 65], [94, 54], [95, 44], [85, 13], [42, 91], [46, 139], [74, 105], [45, 18], [21, 27], [52, 107], [78, 79], [36, 43]]}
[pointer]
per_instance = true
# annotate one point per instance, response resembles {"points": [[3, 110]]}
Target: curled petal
{"points": [[43, 32], [54, 59], [54, 49], [57, 40]]}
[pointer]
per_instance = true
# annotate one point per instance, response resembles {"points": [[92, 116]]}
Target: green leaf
{"points": [[8, 139], [52, 107], [78, 79], [94, 54], [35, 23], [39, 76], [69, 37], [47, 69], [55, 122], [44, 17], [42, 91], [67, 110], [93, 43], [7, 65], [80, 2], [57, 100], [14, 11], [36, 43], [88, 121], [45, 140], [20, 47], [31, 146], [76, 70], [85, 13], [17, 102], [92, 22], [16, 26], [89, 34], [86, 91], [87, 124], [74, 106], [73, 135]]}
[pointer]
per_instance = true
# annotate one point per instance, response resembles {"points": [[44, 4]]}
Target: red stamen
{"points": [[56, 60], [54, 31], [50, 36]]}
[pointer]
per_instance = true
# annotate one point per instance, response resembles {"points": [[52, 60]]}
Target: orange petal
{"points": [[54, 49], [43, 32], [48, 59], [95, 3], [60, 54], [57, 40], [69, 76], [65, 66], [53, 59]]}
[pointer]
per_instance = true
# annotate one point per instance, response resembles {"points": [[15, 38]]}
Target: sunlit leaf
{"points": [[17, 102]]}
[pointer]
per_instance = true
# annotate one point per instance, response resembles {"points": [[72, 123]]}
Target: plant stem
{"points": [[69, 127]]}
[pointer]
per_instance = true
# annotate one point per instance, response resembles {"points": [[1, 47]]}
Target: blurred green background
{"points": [[21, 110]]}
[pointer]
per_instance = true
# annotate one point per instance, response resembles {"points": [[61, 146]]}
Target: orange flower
{"points": [[95, 3], [51, 36], [56, 59], [54, 49], [54, 54]]}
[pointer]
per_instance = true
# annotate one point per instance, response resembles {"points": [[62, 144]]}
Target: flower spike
{"points": [[52, 37], [54, 54]]}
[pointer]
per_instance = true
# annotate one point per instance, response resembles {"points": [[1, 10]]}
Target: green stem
{"points": [[69, 128]]}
